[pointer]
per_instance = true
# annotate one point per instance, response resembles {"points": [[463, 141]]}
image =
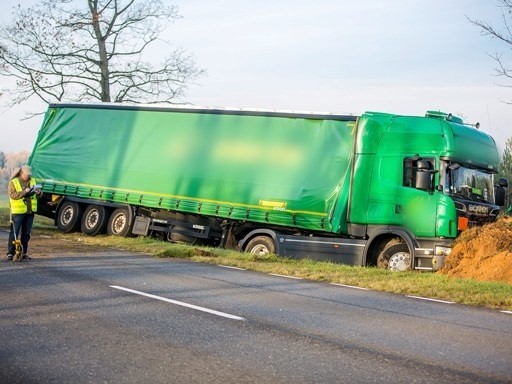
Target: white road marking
{"points": [[45, 236], [509, 312], [351, 286], [429, 299], [230, 267], [289, 277], [180, 303]]}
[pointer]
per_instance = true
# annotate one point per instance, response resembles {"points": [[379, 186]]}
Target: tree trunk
{"points": [[102, 50]]}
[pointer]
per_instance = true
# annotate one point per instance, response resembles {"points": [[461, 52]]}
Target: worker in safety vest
{"points": [[23, 196]]}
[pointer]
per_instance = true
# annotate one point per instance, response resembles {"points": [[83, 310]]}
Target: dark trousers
{"points": [[21, 223]]}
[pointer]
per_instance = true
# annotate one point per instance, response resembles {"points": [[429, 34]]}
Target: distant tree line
{"points": [[8, 163], [505, 169]]}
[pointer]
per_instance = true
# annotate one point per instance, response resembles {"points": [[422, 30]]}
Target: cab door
{"points": [[418, 200]]}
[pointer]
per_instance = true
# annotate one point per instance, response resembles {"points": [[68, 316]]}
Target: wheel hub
{"points": [[67, 216], [119, 223], [260, 250], [400, 261], [92, 219]]}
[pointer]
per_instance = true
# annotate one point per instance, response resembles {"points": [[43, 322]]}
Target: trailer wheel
{"points": [[395, 257], [68, 216], [261, 245], [119, 223], [94, 220]]}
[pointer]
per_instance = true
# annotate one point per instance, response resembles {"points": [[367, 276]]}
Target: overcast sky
{"points": [[341, 56]]}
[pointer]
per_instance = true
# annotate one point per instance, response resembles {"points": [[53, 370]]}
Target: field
{"points": [[432, 285]]}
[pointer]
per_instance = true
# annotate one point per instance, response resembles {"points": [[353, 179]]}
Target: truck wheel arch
{"points": [[258, 232], [380, 235]]}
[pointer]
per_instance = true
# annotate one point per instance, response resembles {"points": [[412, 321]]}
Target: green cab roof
{"points": [[437, 132]]}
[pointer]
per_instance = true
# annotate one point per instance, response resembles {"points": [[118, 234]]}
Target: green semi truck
{"points": [[377, 189]]}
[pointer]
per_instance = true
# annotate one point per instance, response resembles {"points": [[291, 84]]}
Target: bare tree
{"points": [[504, 34], [85, 50]]}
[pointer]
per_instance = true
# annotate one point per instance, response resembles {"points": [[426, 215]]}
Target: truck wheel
{"points": [[261, 245], [119, 223], [94, 220], [68, 216], [395, 257]]}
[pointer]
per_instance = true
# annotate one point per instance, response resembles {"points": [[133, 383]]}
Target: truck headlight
{"points": [[441, 250]]}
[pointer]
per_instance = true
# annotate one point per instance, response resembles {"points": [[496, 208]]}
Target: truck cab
{"points": [[430, 178]]}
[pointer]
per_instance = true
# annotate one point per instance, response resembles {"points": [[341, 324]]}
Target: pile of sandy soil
{"points": [[483, 253]]}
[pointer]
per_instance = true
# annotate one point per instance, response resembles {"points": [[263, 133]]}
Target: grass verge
{"points": [[40, 222], [464, 291]]}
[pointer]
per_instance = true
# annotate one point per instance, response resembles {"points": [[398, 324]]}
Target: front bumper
{"points": [[431, 254]]}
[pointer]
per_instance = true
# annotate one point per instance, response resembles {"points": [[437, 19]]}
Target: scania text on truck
{"points": [[377, 189]]}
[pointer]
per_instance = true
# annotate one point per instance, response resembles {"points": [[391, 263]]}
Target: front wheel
{"points": [[395, 257], [261, 245]]}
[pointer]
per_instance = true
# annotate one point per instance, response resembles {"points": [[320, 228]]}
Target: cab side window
{"points": [[409, 179]]}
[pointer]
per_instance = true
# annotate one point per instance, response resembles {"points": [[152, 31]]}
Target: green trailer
{"points": [[378, 189]]}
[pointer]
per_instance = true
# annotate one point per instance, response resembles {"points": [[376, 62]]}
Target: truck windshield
{"points": [[474, 184]]}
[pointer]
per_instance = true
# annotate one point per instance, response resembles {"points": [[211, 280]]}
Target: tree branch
{"points": [[56, 50]]}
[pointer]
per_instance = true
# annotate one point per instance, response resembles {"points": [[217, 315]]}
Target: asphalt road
{"points": [[107, 316]]}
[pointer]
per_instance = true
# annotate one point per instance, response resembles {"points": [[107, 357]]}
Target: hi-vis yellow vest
{"points": [[19, 206]]}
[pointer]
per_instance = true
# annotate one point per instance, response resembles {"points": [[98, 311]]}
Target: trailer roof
{"points": [[209, 110]]}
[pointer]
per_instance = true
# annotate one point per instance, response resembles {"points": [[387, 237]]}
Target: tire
{"points": [[94, 220], [68, 216], [395, 257], [119, 223], [181, 239], [261, 245]]}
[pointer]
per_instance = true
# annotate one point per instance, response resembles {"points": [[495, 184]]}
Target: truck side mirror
{"points": [[499, 195], [424, 180], [424, 175], [500, 191], [503, 182]]}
